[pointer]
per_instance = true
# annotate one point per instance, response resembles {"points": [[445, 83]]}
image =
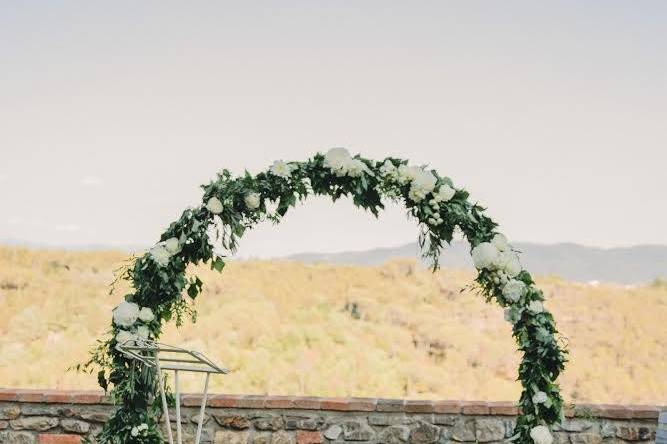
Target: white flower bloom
{"points": [[541, 435], [500, 241], [407, 173], [513, 290], [143, 426], [444, 194], [281, 169], [356, 168], [214, 205], [134, 432], [508, 261], [422, 184], [160, 255], [252, 201], [388, 168], [125, 337], [341, 163], [142, 332], [338, 160], [540, 398], [125, 314], [484, 255], [172, 245], [146, 314], [535, 307]]}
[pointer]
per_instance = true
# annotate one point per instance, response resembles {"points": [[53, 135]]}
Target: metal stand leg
{"points": [[201, 411], [165, 407], [178, 408]]}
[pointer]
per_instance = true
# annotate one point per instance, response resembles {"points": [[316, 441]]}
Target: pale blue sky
{"points": [[553, 114]]}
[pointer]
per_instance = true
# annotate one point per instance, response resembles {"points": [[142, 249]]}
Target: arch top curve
{"points": [[232, 204]]}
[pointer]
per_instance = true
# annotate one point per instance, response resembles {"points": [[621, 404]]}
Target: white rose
{"points": [[338, 160], [407, 173], [540, 398], [422, 184], [535, 307], [134, 432], [508, 261], [146, 314], [142, 332], [445, 193], [355, 168], [125, 337], [541, 435], [143, 426], [513, 290], [252, 201], [500, 241], [160, 255], [281, 169], [125, 314], [214, 205], [425, 180], [172, 245], [484, 255]]}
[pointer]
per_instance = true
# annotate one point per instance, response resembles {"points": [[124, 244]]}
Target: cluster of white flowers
{"points": [[421, 182], [341, 163], [444, 194], [282, 169], [252, 201], [541, 435], [139, 430], [497, 255], [162, 252], [126, 315], [435, 220], [214, 205]]}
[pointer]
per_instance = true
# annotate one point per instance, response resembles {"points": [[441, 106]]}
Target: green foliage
{"points": [[168, 292]]}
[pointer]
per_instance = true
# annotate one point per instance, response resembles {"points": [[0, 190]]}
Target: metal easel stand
{"points": [[165, 357]]}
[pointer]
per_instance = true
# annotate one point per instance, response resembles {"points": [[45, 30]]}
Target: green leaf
{"points": [[218, 264], [102, 380]]}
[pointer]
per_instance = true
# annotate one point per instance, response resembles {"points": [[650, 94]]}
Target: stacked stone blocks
{"points": [[56, 417]]}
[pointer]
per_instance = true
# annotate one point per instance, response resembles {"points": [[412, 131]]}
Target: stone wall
{"points": [[57, 417]]}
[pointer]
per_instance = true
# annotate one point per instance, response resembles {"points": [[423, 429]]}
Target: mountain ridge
{"points": [[622, 265]]}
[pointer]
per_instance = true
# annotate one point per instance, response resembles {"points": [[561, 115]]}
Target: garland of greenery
{"points": [[161, 291]]}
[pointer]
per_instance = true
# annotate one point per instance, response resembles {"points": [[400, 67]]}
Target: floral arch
{"points": [[234, 204]]}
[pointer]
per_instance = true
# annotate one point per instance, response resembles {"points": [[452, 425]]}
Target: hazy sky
{"points": [[552, 114]]}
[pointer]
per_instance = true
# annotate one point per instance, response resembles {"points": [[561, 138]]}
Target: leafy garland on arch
{"points": [[161, 291]]}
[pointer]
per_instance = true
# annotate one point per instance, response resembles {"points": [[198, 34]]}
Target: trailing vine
{"points": [[161, 291]]}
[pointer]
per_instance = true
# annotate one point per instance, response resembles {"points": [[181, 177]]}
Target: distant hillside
{"points": [[287, 328], [629, 265]]}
